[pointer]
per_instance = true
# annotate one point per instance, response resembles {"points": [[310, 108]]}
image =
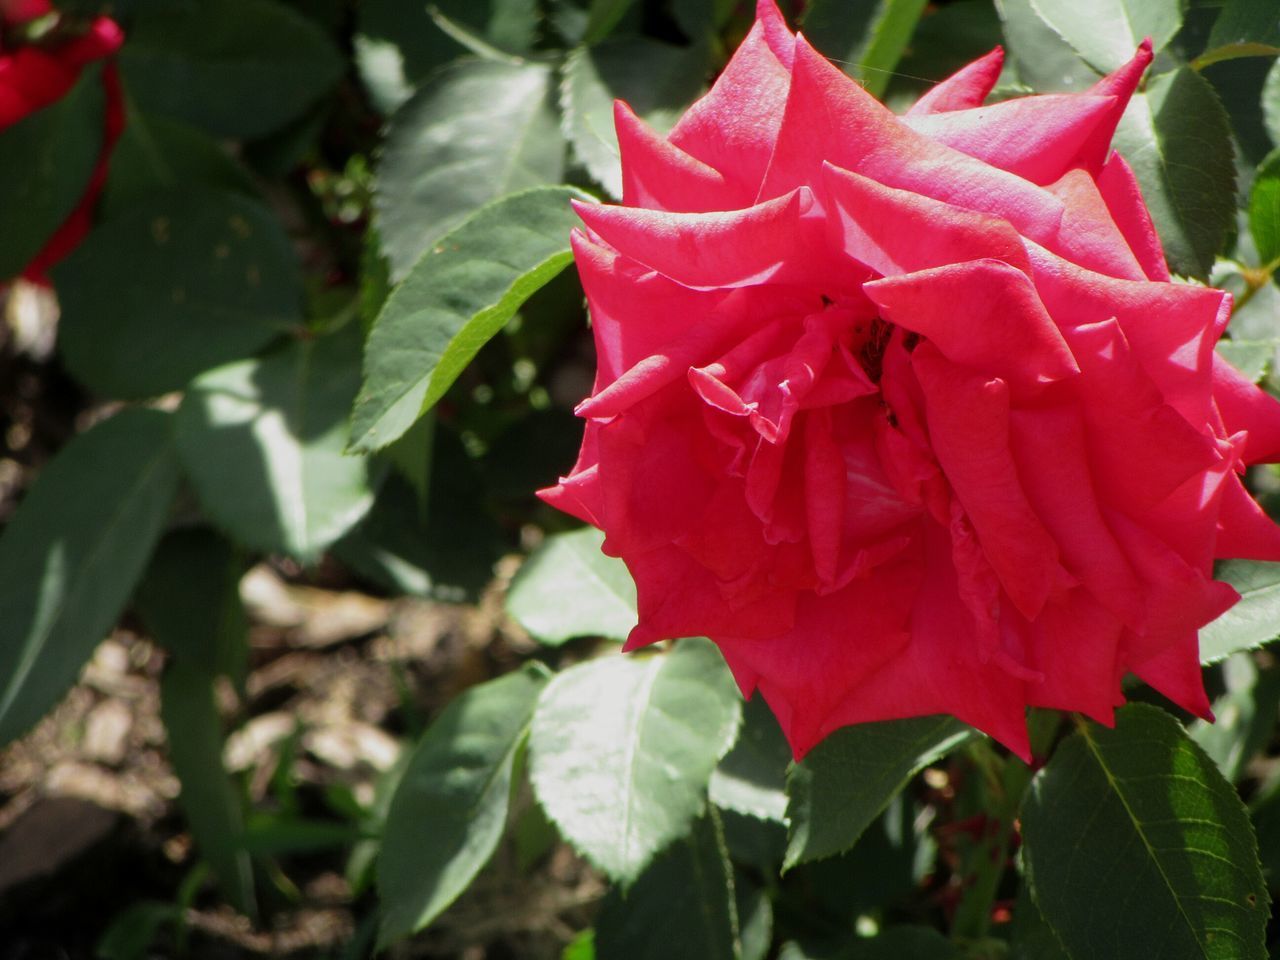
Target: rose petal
{"points": [[658, 175], [939, 671], [1123, 197], [897, 231], [1038, 138], [969, 428], [985, 314], [1051, 451], [966, 88], [1246, 407], [735, 126]]}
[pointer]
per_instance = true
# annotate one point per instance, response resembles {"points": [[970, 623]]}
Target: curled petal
{"points": [[985, 314], [658, 175], [964, 89], [1037, 138]]}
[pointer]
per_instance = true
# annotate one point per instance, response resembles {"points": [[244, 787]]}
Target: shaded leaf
{"points": [[156, 154], [72, 553], [237, 68], [1192, 204], [1254, 620], [681, 908], [211, 278], [622, 748], [752, 777], [1244, 28], [209, 799], [47, 157], [190, 602], [411, 44], [262, 441], [475, 131], [457, 297], [847, 779], [895, 943], [602, 17], [447, 556], [1143, 795], [1030, 937], [866, 39], [450, 809], [568, 588]]}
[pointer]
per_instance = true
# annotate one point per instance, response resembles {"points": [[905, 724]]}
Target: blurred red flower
{"points": [[35, 76], [904, 413]]}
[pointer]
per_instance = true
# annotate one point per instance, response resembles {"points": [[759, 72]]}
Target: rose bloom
{"points": [[36, 76], [904, 413]]}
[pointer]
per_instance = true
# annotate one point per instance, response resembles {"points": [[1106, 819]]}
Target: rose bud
{"points": [[33, 77], [904, 413]]}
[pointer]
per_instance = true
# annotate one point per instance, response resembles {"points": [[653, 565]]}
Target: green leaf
{"points": [[581, 947], [135, 929], [451, 806], [262, 441], [1254, 620], [846, 780], [458, 296], [1107, 32], [568, 588], [236, 68], [700, 18], [1264, 210], [681, 908], [752, 777], [1271, 103], [1146, 797], [1264, 812], [1192, 204], [211, 278], [208, 798], [1245, 28], [1030, 937], [48, 157], [450, 555], [1253, 358], [72, 553], [895, 943], [408, 44], [189, 601], [1245, 716], [156, 155], [1042, 59], [866, 39], [755, 916], [475, 131], [602, 17], [657, 80], [622, 748]]}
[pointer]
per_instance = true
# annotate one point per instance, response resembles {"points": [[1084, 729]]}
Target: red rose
{"points": [[33, 77], [904, 412]]}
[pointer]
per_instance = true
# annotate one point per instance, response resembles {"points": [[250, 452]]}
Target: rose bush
{"points": [[905, 413], [34, 76]]}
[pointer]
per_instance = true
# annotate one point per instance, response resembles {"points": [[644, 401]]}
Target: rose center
{"points": [[874, 338]]}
